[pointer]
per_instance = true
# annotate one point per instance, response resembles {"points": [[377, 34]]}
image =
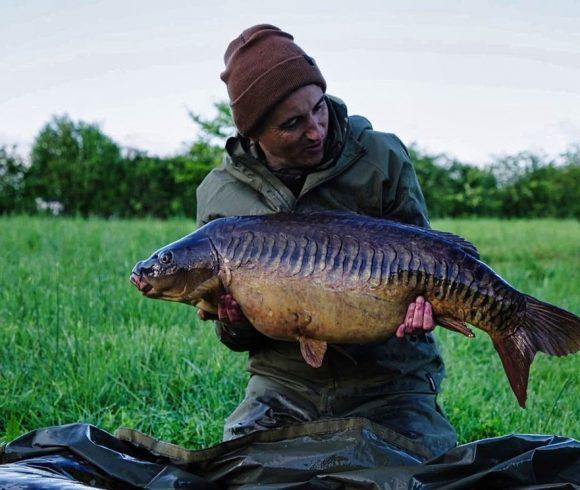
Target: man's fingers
{"points": [[428, 320], [229, 310], [417, 321], [223, 308], [410, 314], [419, 318], [409, 318], [233, 309], [235, 314]]}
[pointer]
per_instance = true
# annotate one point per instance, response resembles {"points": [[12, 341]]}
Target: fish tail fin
{"points": [[544, 328]]}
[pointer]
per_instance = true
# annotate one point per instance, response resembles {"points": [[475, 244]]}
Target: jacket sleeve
{"points": [[402, 196], [239, 337]]}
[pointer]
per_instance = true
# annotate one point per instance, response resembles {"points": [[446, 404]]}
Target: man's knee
{"points": [[267, 405], [418, 417]]}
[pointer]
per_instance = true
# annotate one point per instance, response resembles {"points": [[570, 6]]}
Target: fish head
{"points": [[179, 271]]}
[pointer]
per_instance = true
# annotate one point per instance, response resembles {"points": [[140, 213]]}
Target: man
{"points": [[298, 151]]}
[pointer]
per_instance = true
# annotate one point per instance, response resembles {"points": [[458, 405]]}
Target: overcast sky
{"points": [[469, 78]]}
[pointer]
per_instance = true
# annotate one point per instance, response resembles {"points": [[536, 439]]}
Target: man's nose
{"points": [[315, 130]]}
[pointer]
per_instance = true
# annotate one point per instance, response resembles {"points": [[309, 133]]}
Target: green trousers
{"points": [[271, 403]]}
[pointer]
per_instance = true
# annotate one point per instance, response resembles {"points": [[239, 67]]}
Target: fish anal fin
{"points": [[516, 356], [312, 351], [455, 325]]}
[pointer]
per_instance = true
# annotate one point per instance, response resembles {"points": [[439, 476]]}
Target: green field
{"points": [[78, 343]]}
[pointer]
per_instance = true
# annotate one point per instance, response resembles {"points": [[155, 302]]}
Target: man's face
{"points": [[294, 133]]}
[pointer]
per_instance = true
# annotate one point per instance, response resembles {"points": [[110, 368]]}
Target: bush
{"points": [[522, 185], [454, 189], [76, 165], [75, 169], [12, 173], [78, 170], [533, 187]]}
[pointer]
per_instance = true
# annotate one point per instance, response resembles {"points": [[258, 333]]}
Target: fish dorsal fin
{"points": [[335, 214], [467, 247]]}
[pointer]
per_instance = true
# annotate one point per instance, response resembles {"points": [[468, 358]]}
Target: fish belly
{"points": [[286, 308]]}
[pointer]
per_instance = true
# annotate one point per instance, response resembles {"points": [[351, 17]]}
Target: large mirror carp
{"points": [[345, 278]]}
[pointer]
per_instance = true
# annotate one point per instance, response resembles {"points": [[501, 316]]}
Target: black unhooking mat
{"points": [[330, 454]]}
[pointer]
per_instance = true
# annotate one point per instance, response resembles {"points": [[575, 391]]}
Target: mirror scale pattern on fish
{"points": [[344, 278]]}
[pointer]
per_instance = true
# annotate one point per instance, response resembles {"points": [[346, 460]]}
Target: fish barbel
{"points": [[344, 278]]}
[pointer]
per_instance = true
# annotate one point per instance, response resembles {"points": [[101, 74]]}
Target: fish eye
{"points": [[165, 258]]}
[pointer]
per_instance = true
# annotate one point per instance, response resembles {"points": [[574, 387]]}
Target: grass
{"points": [[78, 343]]}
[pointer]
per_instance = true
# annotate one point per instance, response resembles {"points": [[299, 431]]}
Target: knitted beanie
{"points": [[264, 66]]}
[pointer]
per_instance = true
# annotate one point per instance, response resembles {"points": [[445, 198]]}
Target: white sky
{"points": [[469, 78]]}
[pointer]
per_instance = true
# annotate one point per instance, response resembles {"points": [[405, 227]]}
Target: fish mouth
{"points": [[142, 285]]}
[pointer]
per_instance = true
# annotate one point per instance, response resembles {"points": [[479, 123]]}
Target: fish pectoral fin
{"points": [[206, 306], [206, 296], [455, 325], [312, 351]]}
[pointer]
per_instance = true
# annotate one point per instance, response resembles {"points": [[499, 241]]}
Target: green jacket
{"points": [[371, 174]]}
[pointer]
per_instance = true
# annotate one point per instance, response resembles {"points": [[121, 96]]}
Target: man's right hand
{"points": [[233, 327], [229, 311]]}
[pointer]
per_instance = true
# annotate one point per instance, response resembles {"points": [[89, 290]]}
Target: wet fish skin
{"points": [[381, 263], [345, 278]]}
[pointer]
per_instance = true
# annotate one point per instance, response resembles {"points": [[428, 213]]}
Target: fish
{"points": [[341, 277]]}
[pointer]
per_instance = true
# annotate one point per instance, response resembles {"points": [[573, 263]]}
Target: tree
{"points": [[12, 174], [216, 130], [168, 185], [205, 153], [76, 165], [452, 188], [76, 168], [532, 185]]}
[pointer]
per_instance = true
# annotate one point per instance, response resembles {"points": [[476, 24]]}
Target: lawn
{"points": [[78, 343]]}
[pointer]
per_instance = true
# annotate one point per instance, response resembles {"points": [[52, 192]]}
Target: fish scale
{"points": [[344, 278], [397, 266]]}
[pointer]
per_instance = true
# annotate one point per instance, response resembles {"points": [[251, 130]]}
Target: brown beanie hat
{"points": [[263, 66]]}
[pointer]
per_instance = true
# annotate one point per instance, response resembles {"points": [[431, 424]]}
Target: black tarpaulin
{"points": [[331, 454]]}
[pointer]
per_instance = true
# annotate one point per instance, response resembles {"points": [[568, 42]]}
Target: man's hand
{"points": [[419, 319], [229, 311]]}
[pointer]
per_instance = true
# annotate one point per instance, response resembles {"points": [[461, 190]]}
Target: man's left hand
{"points": [[419, 319]]}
